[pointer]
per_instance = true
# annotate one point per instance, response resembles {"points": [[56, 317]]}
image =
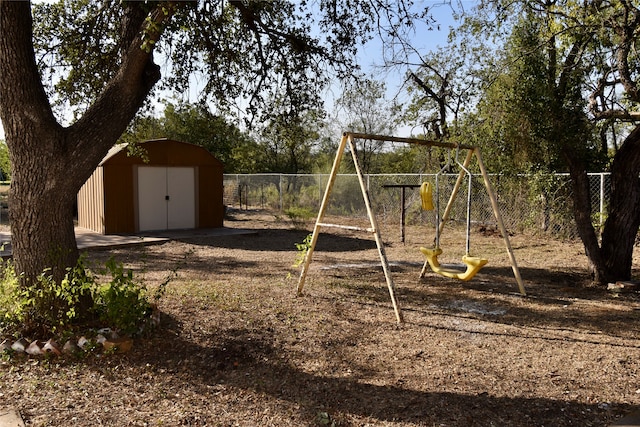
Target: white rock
{"points": [[70, 347], [83, 342], [20, 346], [34, 349], [51, 347]]}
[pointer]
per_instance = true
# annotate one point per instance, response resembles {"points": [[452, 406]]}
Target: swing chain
{"points": [[446, 169]]}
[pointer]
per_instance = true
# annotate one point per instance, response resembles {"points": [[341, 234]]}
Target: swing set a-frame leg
{"points": [[376, 233], [496, 212], [323, 208], [501, 227], [348, 138]]}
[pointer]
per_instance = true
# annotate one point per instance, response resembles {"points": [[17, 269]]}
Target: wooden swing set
{"points": [[473, 264]]}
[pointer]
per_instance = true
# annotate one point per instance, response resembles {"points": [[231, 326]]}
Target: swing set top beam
{"points": [[416, 141]]}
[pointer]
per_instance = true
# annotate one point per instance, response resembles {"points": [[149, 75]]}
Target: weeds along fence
{"points": [[532, 203]]}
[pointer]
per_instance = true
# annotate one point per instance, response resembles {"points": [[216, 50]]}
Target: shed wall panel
{"points": [[119, 210], [211, 206], [91, 203]]}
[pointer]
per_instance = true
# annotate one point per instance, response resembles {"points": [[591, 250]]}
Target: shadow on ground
{"points": [[247, 359]]}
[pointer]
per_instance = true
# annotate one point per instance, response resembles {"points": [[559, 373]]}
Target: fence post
{"points": [[601, 201], [281, 202], [239, 191]]}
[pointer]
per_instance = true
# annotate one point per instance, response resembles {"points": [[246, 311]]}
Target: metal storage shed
{"points": [[180, 187]]}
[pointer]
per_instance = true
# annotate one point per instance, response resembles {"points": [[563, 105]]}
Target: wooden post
{"points": [[402, 213], [403, 208], [376, 233], [503, 230], [323, 208]]}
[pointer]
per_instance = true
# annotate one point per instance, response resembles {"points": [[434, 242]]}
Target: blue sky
{"points": [[425, 40]]}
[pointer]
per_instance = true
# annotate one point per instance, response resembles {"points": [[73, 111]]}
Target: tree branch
{"points": [[106, 119], [621, 115], [627, 32], [25, 97]]}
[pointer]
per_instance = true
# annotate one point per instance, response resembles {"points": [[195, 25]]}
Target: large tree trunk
{"points": [[50, 163], [40, 212], [581, 195], [621, 227], [611, 260], [41, 201]]}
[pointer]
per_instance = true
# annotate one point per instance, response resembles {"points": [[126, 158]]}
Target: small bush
{"points": [[78, 300], [9, 294], [297, 213], [303, 249], [54, 306], [299, 216], [122, 303]]}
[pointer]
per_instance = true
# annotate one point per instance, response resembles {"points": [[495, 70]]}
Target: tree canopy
{"points": [[240, 55]]}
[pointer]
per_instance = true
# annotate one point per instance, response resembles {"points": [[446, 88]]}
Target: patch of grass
{"points": [[213, 295], [299, 215]]}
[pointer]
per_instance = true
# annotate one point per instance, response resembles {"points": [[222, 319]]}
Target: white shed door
{"points": [[181, 206], [166, 198]]}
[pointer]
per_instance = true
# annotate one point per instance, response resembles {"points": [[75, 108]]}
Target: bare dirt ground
{"points": [[236, 347]]}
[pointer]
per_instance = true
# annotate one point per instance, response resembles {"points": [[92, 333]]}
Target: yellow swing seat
{"points": [[474, 264], [426, 196]]}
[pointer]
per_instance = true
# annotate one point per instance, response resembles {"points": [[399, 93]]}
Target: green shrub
{"points": [[9, 295], [299, 213], [76, 301], [54, 306], [303, 249], [122, 303]]}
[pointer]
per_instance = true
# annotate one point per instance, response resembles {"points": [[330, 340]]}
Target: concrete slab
{"points": [[88, 239], [10, 418]]}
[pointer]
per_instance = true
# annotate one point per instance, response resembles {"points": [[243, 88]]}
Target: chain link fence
{"points": [[533, 203]]}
